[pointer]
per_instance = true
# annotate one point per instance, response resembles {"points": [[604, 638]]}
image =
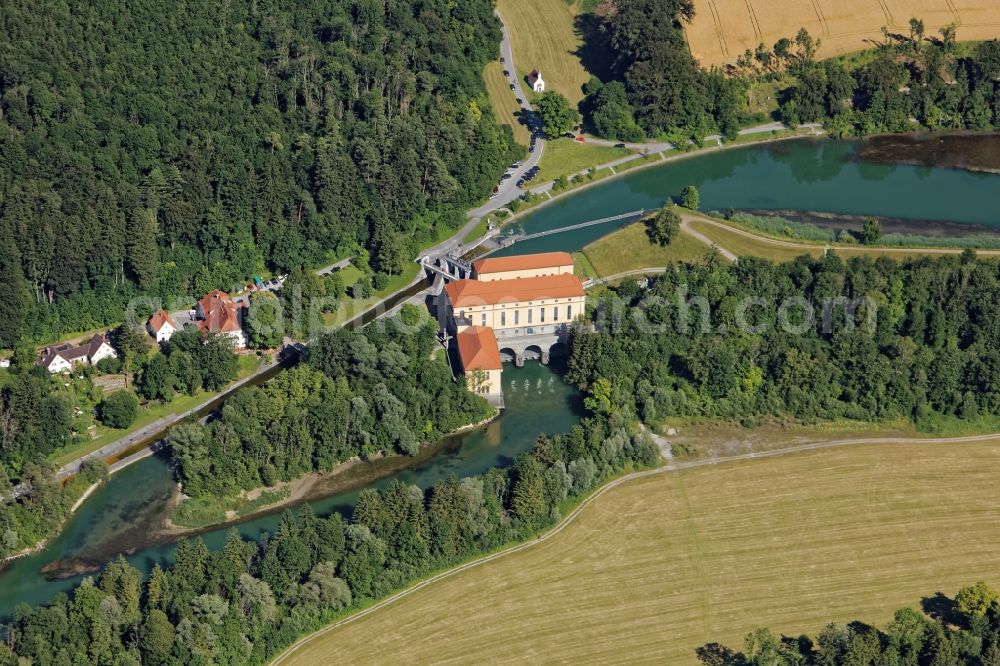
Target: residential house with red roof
{"points": [[218, 313], [161, 326]]}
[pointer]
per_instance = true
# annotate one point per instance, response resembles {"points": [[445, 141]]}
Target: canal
{"points": [[801, 174]]}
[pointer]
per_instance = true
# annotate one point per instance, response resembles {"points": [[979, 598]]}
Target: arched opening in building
{"points": [[533, 353]]}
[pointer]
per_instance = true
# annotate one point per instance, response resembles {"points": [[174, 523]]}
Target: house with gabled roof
{"points": [[161, 326], [64, 357], [218, 313], [479, 356]]}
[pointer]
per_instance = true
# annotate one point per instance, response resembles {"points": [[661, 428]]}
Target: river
{"points": [[805, 175], [119, 514], [801, 174]]}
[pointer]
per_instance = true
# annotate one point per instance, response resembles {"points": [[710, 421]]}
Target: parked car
{"points": [[505, 177], [619, 145], [515, 165], [512, 86], [506, 73], [520, 182], [580, 138], [520, 101], [501, 60]]}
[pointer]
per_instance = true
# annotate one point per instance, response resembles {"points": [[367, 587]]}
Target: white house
{"points": [[536, 81], [55, 363], [100, 349], [63, 357], [161, 326]]}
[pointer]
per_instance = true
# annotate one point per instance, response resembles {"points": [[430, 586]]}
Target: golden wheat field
{"points": [[724, 29], [659, 566]]}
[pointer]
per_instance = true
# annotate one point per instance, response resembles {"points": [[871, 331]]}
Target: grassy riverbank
{"points": [[538, 198], [629, 248], [565, 157], [199, 512], [248, 365], [747, 242], [708, 554]]}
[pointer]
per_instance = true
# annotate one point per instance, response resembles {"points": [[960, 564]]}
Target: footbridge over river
{"points": [[507, 241]]}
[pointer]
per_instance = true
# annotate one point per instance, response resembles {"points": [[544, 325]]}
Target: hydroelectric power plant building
{"points": [[510, 308]]}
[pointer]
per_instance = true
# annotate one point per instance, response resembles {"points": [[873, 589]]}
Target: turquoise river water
{"points": [[803, 175], [537, 401]]}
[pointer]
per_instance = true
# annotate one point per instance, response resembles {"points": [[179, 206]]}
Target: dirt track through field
{"points": [[700, 553]]}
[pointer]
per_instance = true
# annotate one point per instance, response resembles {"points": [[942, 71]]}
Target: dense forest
{"points": [[170, 148], [654, 86], [951, 632], [359, 393], [243, 603], [811, 339]]}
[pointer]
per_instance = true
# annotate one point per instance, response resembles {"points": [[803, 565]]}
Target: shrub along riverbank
{"points": [[784, 229], [242, 604], [357, 394]]}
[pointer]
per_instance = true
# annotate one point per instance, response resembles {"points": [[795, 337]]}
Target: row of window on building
{"points": [[517, 315]]}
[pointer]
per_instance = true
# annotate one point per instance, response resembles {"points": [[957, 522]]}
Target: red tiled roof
{"points": [[464, 293], [219, 313], [477, 349], [159, 318], [523, 262]]}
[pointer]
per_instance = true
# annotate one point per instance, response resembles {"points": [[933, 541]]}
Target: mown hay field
{"points": [[544, 36], [724, 29], [504, 102], [658, 566]]}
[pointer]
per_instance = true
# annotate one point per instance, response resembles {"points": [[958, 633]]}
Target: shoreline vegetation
{"points": [[540, 195], [831, 234], [265, 500], [75, 489]]}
